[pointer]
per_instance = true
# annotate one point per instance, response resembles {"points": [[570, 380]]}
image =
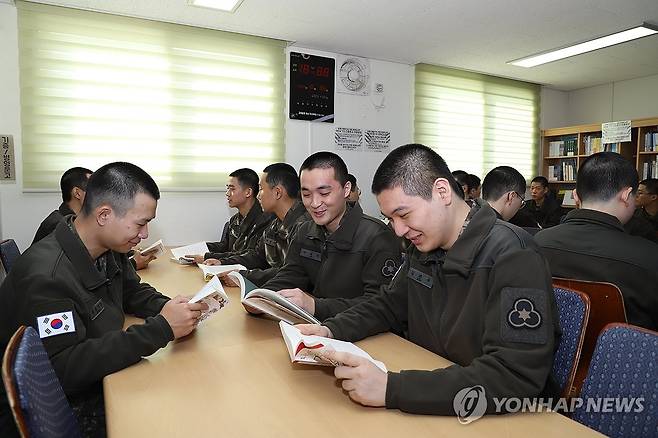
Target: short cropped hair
{"points": [[247, 178], [352, 179], [601, 176], [473, 181], [651, 184], [414, 168], [117, 184], [501, 180], [326, 160], [285, 175], [74, 177], [457, 173], [541, 180]]}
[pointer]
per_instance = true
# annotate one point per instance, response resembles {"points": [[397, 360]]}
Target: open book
{"points": [[155, 250], [213, 295], [308, 349], [178, 254], [211, 271], [270, 303]]}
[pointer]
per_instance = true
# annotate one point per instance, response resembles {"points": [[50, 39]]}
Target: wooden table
{"points": [[233, 378]]}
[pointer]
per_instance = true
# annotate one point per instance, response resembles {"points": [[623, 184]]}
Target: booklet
{"points": [[270, 302], [213, 295], [178, 254], [308, 349], [210, 272], [155, 250]]}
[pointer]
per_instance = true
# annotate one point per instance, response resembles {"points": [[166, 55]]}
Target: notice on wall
{"points": [[616, 132], [348, 139], [377, 141], [8, 162]]}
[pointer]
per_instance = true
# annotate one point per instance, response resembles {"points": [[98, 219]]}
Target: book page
{"points": [[308, 349], [211, 271], [193, 249], [281, 302], [246, 286], [212, 294], [156, 250]]}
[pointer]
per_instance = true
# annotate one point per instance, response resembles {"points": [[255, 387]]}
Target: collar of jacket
{"points": [[594, 216], [293, 214], [65, 210], [79, 256], [343, 237], [250, 219], [460, 257]]}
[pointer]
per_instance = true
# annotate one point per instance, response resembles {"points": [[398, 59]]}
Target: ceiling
{"points": [[477, 35]]}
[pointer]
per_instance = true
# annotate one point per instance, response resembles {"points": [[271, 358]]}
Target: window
{"points": [[477, 122], [189, 105]]}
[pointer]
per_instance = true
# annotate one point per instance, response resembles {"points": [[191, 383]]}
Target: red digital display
{"points": [[320, 72]]}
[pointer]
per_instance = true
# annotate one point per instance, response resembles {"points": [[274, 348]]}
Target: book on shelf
{"points": [[211, 271], [308, 349], [155, 250], [563, 147], [270, 302], [650, 141], [178, 254], [567, 198], [213, 295], [650, 169]]}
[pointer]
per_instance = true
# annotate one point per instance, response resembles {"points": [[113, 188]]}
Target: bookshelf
{"points": [[564, 149]]}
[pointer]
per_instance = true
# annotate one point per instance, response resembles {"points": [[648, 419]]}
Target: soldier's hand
{"points": [[181, 315], [198, 258], [363, 381], [226, 280], [315, 329], [212, 262], [300, 298], [142, 262]]}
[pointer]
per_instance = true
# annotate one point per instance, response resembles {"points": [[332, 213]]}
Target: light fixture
{"points": [[645, 29], [222, 5]]}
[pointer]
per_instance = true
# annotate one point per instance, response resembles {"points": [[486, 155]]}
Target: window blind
{"points": [[189, 105], [477, 122]]}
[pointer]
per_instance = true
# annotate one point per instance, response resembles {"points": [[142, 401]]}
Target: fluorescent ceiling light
{"points": [[610, 40], [222, 5]]}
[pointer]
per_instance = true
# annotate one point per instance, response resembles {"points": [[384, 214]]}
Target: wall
{"points": [[622, 100], [553, 110], [190, 217]]}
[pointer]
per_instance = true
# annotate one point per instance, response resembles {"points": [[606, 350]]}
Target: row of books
{"points": [[565, 171], [560, 148], [650, 141], [650, 169]]}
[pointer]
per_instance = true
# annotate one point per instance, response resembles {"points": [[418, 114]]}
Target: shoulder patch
{"points": [[55, 324], [522, 314], [390, 268]]}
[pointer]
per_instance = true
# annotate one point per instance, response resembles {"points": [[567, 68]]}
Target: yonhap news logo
{"points": [[470, 404]]}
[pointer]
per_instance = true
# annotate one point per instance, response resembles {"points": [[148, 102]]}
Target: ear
{"points": [[347, 188], [103, 214], [626, 195], [249, 193], [576, 198], [442, 191], [278, 192], [77, 193]]}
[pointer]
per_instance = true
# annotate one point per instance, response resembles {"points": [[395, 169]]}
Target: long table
{"points": [[233, 378]]}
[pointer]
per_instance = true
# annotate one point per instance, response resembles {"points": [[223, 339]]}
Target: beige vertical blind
{"points": [[477, 122], [189, 105]]}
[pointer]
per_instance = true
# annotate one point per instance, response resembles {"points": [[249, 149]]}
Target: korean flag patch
{"points": [[55, 324]]}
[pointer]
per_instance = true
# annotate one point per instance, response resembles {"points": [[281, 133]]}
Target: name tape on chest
{"points": [[55, 324], [308, 254], [421, 278]]}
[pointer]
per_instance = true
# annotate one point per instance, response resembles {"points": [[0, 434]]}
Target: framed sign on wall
{"points": [[311, 87]]}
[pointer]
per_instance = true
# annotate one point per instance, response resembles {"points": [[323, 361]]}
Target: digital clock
{"points": [[312, 87]]}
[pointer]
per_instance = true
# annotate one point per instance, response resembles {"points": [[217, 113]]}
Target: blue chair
{"points": [[35, 395], [573, 311], [624, 367], [9, 252]]}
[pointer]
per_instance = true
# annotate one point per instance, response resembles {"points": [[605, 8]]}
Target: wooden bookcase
{"points": [[634, 150]]}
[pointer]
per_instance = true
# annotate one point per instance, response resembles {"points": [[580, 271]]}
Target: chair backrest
{"points": [[9, 252], [35, 395], [606, 306], [573, 309], [624, 368]]}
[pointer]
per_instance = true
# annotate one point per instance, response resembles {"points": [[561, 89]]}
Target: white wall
{"points": [[623, 100], [189, 217], [553, 110]]}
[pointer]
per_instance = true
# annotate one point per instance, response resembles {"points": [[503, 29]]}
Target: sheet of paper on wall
{"points": [[210, 272], [178, 254], [308, 349], [212, 294]]}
